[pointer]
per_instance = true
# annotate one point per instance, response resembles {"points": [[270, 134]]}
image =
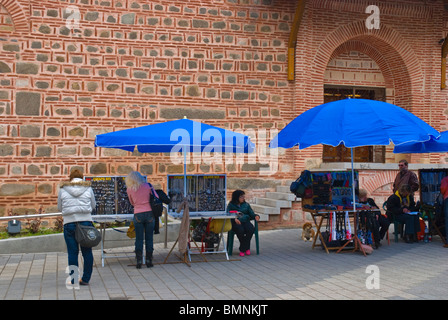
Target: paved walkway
{"points": [[286, 269]]}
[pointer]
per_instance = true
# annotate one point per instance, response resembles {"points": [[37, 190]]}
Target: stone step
{"points": [[283, 189], [273, 203], [263, 217], [281, 196], [265, 210]]}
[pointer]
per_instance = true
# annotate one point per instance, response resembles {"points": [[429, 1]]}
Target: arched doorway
{"points": [[14, 17], [353, 73], [394, 68], [6, 22]]}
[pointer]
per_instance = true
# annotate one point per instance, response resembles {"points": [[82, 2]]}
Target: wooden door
{"points": [[341, 153]]}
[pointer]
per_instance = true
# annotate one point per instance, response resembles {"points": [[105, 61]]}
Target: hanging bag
{"points": [[302, 186], [87, 236], [131, 230], [209, 238], [156, 203], [200, 230]]}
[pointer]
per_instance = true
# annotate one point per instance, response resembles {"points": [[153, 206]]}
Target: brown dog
{"points": [[307, 232]]}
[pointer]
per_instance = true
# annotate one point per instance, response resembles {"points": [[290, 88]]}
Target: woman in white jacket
{"points": [[76, 202]]}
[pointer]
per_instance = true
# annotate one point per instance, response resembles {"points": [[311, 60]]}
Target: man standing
{"points": [[405, 177]]}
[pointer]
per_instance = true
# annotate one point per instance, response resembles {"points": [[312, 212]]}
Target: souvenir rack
{"points": [[431, 200], [430, 180], [205, 192], [110, 195], [331, 188]]}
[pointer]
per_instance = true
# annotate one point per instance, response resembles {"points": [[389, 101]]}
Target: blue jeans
{"points": [[144, 229], [73, 250]]}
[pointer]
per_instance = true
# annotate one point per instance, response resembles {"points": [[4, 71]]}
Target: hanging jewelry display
{"points": [[110, 195]]}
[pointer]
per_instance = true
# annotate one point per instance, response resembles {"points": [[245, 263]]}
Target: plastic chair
{"points": [[231, 236], [397, 229]]}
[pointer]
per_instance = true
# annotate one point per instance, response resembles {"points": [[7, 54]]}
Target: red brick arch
{"points": [[379, 180], [373, 53], [404, 68], [19, 15]]}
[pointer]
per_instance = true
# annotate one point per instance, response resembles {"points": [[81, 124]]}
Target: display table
{"points": [[213, 215], [320, 215], [109, 218]]}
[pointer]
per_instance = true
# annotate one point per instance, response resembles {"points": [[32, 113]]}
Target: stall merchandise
{"points": [[431, 200], [110, 195], [338, 229], [339, 234], [331, 189], [430, 180], [205, 193]]}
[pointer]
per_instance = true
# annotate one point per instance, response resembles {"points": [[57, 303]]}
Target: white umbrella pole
{"points": [[353, 183]]}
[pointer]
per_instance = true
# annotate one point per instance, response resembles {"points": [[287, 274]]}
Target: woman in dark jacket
{"points": [[399, 205], [242, 226]]}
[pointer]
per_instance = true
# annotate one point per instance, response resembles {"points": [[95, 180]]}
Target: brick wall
{"points": [[131, 63]]}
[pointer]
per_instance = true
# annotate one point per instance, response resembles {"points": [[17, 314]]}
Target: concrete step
{"points": [[263, 217], [265, 210], [281, 196], [273, 203], [283, 189]]}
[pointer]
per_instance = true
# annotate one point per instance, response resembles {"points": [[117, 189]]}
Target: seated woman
{"points": [[399, 205], [242, 226], [381, 223]]}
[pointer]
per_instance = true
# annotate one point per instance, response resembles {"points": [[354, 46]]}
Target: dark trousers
{"points": [[411, 223], [244, 232], [381, 226]]}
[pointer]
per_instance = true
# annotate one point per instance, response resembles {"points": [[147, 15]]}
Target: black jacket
{"points": [[166, 200], [369, 202], [395, 207]]}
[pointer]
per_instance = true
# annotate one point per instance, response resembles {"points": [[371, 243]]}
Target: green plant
{"points": [[28, 233]]}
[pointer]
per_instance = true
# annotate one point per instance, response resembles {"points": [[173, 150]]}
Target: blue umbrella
{"points": [[182, 135], [175, 135], [432, 145], [354, 123]]}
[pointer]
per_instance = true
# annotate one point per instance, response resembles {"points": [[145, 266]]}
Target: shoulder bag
{"points": [[156, 203], [87, 236]]}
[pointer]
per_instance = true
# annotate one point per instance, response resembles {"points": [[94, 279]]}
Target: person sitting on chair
{"points": [[399, 206], [242, 226], [381, 224]]}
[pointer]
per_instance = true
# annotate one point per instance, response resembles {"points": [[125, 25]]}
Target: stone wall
{"points": [[125, 64]]}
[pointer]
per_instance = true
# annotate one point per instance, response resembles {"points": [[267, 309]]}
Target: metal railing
{"points": [[31, 216]]}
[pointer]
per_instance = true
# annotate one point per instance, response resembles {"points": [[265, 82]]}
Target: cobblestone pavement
{"points": [[287, 268]]}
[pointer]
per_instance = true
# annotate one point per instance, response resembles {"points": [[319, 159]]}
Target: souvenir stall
{"points": [[431, 203], [329, 200], [183, 136]]}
